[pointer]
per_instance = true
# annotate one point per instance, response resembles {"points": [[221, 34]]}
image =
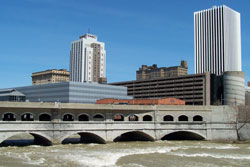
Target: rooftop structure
{"points": [[50, 76], [152, 72], [11, 95]]}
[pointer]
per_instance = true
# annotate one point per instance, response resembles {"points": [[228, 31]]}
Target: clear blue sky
{"points": [[36, 35]]}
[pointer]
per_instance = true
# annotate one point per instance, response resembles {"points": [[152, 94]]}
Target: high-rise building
{"points": [[151, 72], [217, 37], [87, 60], [50, 76]]}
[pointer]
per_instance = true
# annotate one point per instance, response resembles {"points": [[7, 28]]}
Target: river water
{"points": [[129, 154]]}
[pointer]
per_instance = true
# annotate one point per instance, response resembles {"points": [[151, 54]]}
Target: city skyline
{"points": [[38, 34]]}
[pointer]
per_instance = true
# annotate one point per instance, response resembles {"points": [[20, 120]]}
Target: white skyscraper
{"points": [[217, 40], [87, 59]]}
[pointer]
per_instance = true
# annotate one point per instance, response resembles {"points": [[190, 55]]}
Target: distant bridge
{"points": [[52, 123]]}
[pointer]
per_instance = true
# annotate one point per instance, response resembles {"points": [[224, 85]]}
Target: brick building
{"points": [[152, 72], [164, 101]]}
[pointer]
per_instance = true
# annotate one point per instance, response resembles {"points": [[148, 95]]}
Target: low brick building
{"points": [[164, 101], [153, 72]]}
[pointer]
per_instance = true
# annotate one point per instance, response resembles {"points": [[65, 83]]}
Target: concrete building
{"points": [[217, 36], [163, 101], [72, 92], [87, 59], [11, 95], [196, 89], [50, 76]]}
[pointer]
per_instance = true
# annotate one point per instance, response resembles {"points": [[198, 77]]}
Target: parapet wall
{"points": [[156, 121]]}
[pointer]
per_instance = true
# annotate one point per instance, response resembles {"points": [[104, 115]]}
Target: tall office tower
{"points": [[217, 40], [87, 60]]}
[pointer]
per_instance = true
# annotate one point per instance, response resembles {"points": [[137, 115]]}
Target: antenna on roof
{"points": [[88, 30]]}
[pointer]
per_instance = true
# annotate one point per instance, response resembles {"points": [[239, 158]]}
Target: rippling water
{"points": [[129, 154]]}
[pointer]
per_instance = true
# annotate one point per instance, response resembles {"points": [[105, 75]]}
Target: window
{"points": [[168, 118], [133, 118], [68, 117], [183, 118], [9, 117], [118, 117], [83, 117], [27, 117], [98, 117], [147, 118], [44, 117], [197, 118]]}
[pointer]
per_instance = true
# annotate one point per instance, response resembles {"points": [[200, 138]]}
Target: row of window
{"points": [[97, 117]]}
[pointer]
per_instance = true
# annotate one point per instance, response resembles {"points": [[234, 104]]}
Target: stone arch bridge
{"points": [[52, 123]]}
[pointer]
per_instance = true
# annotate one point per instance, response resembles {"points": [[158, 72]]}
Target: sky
{"points": [[36, 35]]}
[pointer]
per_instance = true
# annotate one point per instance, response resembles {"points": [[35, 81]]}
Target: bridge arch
{"points": [[27, 116], [39, 138], [133, 136], [9, 116], [45, 117], [68, 117], [84, 137], [183, 135]]}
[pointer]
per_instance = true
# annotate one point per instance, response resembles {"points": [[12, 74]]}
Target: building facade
{"points": [[72, 92], [50, 76], [195, 89], [151, 72], [217, 36], [87, 59], [163, 101]]}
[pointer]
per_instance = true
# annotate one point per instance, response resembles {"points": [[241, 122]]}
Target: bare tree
{"points": [[242, 118]]}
